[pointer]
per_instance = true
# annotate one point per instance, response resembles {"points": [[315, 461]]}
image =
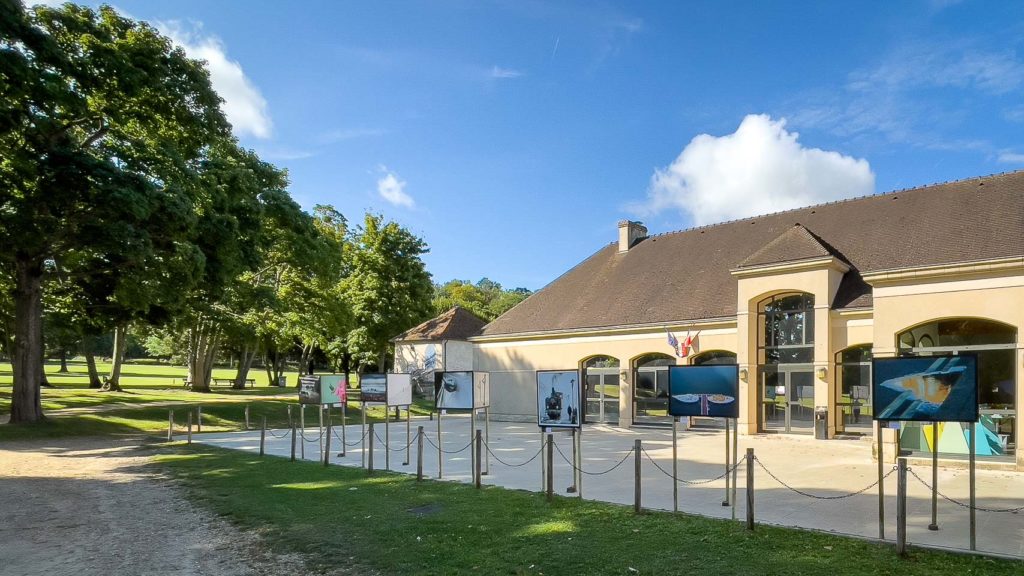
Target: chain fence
{"points": [[818, 496], [504, 463], [400, 449], [334, 432], [728, 471], [443, 451], [601, 473], [965, 504]]}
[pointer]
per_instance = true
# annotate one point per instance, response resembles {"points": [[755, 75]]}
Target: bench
{"points": [[231, 381]]}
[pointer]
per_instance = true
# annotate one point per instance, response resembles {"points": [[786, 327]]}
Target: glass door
{"points": [[602, 396], [787, 400]]}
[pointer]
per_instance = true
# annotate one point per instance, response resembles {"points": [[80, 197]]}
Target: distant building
{"points": [[801, 300], [439, 344]]}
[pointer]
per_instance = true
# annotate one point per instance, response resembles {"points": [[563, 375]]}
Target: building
{"points": [[801, 300], [439, 344]]}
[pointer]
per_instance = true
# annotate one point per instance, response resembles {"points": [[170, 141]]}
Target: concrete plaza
{"points": [[820, 468]]}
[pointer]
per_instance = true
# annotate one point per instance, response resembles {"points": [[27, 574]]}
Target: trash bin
{"points": [[821, 423]]}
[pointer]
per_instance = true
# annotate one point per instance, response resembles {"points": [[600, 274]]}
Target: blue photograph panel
{"points": [[704, 391], [926, 389]]}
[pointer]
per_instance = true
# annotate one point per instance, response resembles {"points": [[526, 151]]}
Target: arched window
{"points": [[714, 357], [994, 343], [786, 329], [853, 389], [650, 388]]}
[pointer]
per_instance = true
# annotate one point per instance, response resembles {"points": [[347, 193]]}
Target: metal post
{"points": [[327, 439], [487, 439], [735, 462], [320, 429], [419, 453], [293, 442], [440, 456], [579, 463], [901, 506], [974, 525], [750, 488], [362, 447], [935, 477], [190, 427], [170, 425], [477, 473], [387, 439], [550, 488], [637, 449], [572, 489], [472, 435], [408, 435], [344, 426], [543, 478], [199, 418], [369, 455], [289, 415], [246, 416], [263, 436], [881, 483], [675, 464], [726, 501]]}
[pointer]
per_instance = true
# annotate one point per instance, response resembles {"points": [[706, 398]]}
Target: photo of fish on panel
{"points": [[926, 389], [558, 399], [708, 390]]}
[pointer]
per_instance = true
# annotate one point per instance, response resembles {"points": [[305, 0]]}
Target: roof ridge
{"points": [[834, 202]]}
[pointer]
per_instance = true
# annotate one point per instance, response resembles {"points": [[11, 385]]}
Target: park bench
{"points": [[230, 381]]}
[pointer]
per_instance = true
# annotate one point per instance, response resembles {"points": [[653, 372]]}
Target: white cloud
{"points": [[392, 189], [1011, 158], [505, 73], [760, 168], [244, 105]]}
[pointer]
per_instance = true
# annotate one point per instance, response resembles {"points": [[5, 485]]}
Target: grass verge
{"points": [[389, 522]]}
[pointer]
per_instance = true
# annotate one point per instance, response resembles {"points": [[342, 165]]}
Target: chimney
{"points": [[630, 233]]}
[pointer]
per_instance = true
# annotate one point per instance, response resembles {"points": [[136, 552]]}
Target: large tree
{"points": [[487, 299], [103, 128], [388, 287]]}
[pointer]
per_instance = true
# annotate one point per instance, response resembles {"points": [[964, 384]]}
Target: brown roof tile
{"points": [[455, 324], [683, 276]]}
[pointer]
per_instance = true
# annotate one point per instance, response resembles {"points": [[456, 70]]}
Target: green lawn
{"points": [[150, 390], [391, 523]]}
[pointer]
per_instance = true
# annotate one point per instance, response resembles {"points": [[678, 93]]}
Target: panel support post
{"points": [[479, 462], [263, 436], [881, 482], [408, 435], [199, 418], [727, 448], [935, 477], [293, 442], [190, 427], [247, 416], [550, 488], [170, 425], [901, 506], [675, 464], [974, 445], [440, 454], [344, 437], [369, 454], [637, 450], [327, 439], [572, 489], [735, 462]]}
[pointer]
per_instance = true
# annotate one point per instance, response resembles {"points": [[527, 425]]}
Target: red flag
{"points": [[690, 342]]}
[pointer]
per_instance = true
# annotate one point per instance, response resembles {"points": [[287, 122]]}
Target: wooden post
{"points": [[974, 443], [727, 447], [935, 477], [543, 478], [293, 442], [479, 461], [263, 436], [327, 439], [440, 456], [199, 418], [320, 430], [750, 488], [572, 489], [190, 427], [901, 506], [289, 415], [246, 416], [881, 483], [637, 451], [675, 464], [550, 488], [419, 453], [170, 425], [369, 456]]}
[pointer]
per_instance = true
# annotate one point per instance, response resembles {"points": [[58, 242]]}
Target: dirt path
{"points": [[91, 506]]}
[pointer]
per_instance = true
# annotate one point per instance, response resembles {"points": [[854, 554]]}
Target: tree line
{"points": [[126, 205]]}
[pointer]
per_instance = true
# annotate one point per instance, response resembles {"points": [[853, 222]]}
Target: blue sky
{"points": [[512, 136]]}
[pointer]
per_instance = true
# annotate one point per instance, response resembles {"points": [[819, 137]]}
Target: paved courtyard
{"points": [[832, 468]]}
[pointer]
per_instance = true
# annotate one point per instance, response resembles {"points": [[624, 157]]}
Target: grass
{"points": [[151, 390], [389, 522]]}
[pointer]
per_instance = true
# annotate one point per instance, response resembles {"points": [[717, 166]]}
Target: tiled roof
{"points": [[685, 276], [455, 324]]}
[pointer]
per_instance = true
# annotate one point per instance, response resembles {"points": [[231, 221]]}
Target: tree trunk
{"points": [[203, 339], [269, 369], [63, 361], [26, 405], [383, 359], [244, 363], [346, 366], [113, 383], [88, 347]]}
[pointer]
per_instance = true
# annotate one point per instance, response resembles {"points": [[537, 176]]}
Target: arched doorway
{"points": [[712, 357], [785, 357], [853, 390], [994, 343], [650, 388], [601, 374]]}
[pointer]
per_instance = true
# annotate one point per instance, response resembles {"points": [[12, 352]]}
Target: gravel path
{"points": [[91, 506]]}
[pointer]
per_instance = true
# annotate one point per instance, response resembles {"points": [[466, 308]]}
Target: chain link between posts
{"points": [[817, 496], [385, 444], [691, 482], [443, 451], [603, 472], [283, 435], [502, 462], [334, 431], [965, 504]]}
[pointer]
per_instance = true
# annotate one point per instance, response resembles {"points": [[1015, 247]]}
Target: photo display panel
{"points": [[709, 390], [333, 389], [481, 390], [399, 389], [374, 388], [309, 389], [558, 399], [453, 390], [926, 388]]}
